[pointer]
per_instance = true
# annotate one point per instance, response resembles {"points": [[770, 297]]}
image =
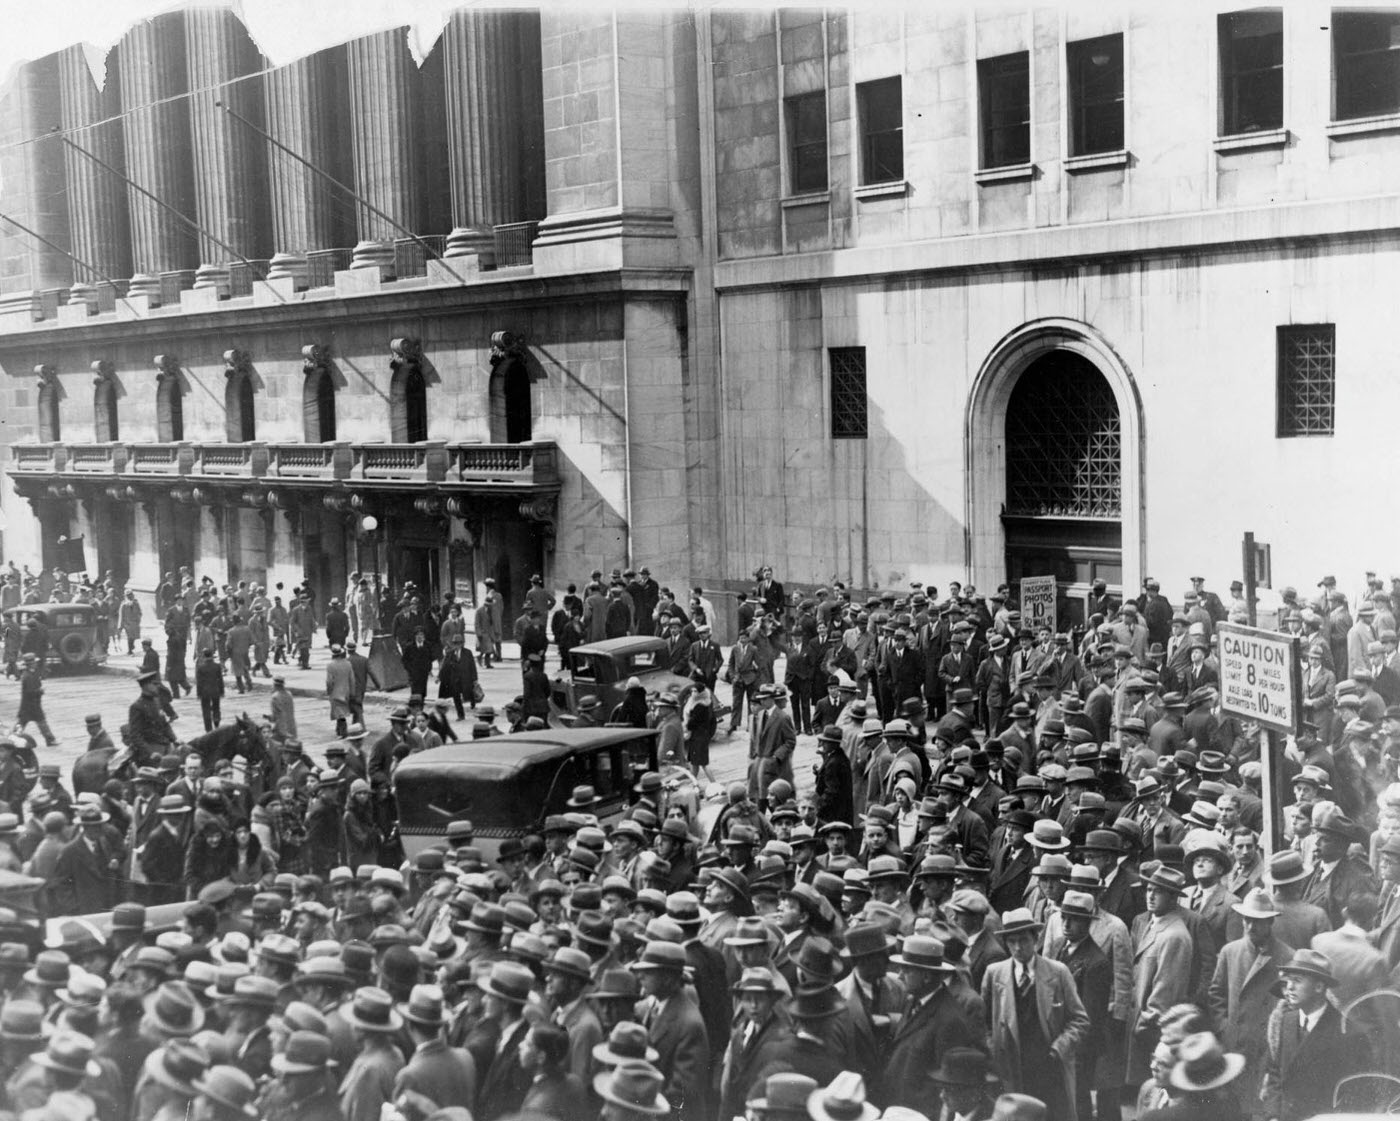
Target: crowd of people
{"points": [[1026, 879]]}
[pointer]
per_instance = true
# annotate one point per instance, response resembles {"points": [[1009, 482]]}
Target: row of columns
{"points": [[361, 113]]}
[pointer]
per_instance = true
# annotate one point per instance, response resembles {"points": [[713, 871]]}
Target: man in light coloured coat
{"points": [[1162, 952], [1033, 1054]]}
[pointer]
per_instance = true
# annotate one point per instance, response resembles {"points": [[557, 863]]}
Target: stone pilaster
{"points": [[31, 187], [97, 214], [610, 144], [487, 125], [384, 105], [157, 135], [303, 100], [229, 157]]}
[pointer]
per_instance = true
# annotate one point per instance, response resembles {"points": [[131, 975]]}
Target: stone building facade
{"points": [[875, 295]]}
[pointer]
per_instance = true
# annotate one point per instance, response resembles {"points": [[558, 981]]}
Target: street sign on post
{"points": [[1038, 602], [1261, 680]]}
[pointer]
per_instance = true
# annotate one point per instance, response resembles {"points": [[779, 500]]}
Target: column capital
{"points": [[104, 369], [167, 366], [505, 344], [237, 362], [315, 357], [405, 352], [46, 373]]}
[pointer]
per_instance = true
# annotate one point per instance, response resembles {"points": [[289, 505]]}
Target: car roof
{"points": [[502, 755], [632, 644], [30, 608]]}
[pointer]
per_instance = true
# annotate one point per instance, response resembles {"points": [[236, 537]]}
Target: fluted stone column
{"points": [[229, 157], [384, 127], [97, 213], [157, 136], [484, 122], [305, 100]]}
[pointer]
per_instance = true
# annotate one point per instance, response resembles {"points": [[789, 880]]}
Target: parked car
{"points": [[507, 785], [72, 631], [601, 669]]}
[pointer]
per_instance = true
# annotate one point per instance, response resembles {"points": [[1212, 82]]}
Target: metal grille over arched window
{"points": [[1063, 442]]}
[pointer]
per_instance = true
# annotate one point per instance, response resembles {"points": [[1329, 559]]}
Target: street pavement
{"points": [[70, 697]]}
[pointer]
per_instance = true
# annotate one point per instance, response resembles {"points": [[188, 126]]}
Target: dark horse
{"points": [[242, 737]]}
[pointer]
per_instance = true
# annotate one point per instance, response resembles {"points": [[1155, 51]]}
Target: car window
{"points": [[69, 619], [598, 769], [646, 660], [582, 667]]}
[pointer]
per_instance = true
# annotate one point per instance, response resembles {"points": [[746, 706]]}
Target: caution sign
{"points": [[1259, 676], [1038, 602]]}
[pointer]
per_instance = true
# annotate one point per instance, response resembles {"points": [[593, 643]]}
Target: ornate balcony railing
{"points": [[488, 467]]}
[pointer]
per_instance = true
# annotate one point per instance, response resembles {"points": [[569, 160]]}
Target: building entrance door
{"points": [[1063, 511]]}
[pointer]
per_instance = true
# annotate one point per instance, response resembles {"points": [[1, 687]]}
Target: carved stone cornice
{"points": [[506, 344], [237, 362], [405, 352], [315, 358], [167, 366]]}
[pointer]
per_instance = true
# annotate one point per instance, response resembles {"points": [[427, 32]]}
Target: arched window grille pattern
{"points": [[1063, 442], [104, 412], [318, 407], [170, 410], [240, 419], [49, 428], [408, 405]]}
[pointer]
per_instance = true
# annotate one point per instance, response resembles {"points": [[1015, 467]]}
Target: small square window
{"points": [[1096, 95], [806, 131], [1004, 89], [1251, 71], [881, 108], [1307, 380], [1366, 64], [849, 409]]}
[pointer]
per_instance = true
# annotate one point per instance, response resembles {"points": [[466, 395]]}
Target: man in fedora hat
{"points": [[631, 1092], [1308, 1054], [874, 996], [758, 1041], [1096, 979], [64, 1066], [304, 1074], [568, 974], [1241, 993], [964, 1078], [781, 1097], [1203, 1082], [1298, 921], [554, 1091], [819, 1045], [677, 1029], [85, 877], [1013, 857], [931, 1023], [369, 1082], [435, 1070], [834, 794], [1338, 876], [1035, 1019], [1162, 956]]}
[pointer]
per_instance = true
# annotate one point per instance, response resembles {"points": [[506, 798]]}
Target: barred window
{"points": [[849, 412], [1307, 380]]}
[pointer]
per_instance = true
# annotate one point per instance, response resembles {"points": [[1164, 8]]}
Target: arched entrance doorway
{"points": [[1054, 465]]}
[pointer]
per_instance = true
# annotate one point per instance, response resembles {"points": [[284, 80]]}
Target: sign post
{"points": [[1038, 602], [1261, 680]]}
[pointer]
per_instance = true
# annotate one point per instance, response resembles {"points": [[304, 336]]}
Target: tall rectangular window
{"points": [[1366, 63], [881, 108], [1307, 380], [1096, 95], [1251, 71], [806, 131], [849, 410], [1004, 93]]}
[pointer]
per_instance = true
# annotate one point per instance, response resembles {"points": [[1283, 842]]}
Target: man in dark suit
{"points": [[554, 1092], [759, 1039], [1012, 861], [903, 668], [1093, 980], [1337, 875], [504, 1082], [86, 876], [435, 1070], [677, 1030], [931, 1024], [1308, 1054], [873, 995], [833, 795]]}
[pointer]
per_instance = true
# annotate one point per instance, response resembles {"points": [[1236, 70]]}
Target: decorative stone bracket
{"points": [[315, 358], [167, 366], [47, 374], [237, 362], [506, 344], [405, 353], [103, 370]]}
